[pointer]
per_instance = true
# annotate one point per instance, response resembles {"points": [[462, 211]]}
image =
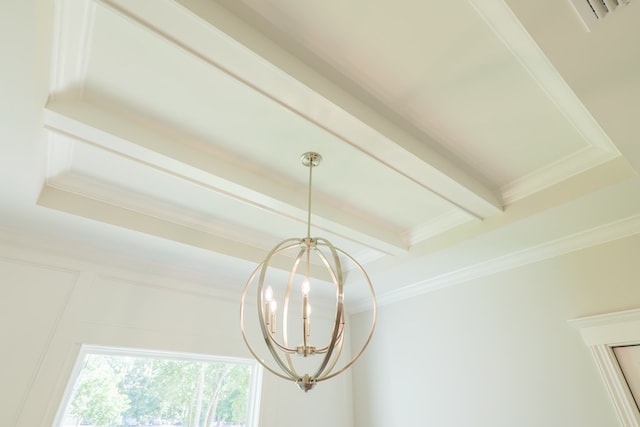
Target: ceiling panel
{"points": [[177, 130], [466, 74], [173, 131]]}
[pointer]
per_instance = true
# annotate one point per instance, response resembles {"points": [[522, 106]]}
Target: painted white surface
{"points": [[32, 300], [498, 351], [454, 153], [204, 132], [603, 334], [50, 306]]}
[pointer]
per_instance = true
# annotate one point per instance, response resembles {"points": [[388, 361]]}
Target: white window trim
{"points": [[253, 412], [601, 333]]}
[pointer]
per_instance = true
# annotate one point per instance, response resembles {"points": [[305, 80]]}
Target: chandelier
{"points": [[284, 306]]}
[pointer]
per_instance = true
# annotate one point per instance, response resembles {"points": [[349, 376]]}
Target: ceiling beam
{"points": [[182, 158], [393, 145]]}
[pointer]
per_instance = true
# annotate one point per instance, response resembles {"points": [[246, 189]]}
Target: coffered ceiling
{"points": [[458, 138]]}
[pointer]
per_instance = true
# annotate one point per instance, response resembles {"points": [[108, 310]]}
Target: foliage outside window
{"points": [[127, 388]]}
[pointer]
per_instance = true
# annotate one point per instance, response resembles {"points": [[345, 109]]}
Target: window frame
{"points": [[255, 384], [601, 333]]}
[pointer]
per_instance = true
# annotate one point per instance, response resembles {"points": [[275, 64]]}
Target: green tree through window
{"points": [[132, 390]]}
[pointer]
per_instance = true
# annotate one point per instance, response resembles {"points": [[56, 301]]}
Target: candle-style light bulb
{"points": [[306, 312], [273, 307], [270, 314]]}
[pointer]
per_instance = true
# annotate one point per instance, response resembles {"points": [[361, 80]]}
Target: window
{"points": [[628, 358], [613, 340], [121, 387]]}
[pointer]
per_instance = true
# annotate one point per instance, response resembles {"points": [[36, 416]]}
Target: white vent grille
{"points": [[594, 11]]}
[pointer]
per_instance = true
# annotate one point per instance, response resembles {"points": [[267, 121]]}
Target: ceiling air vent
{"points": [[594, 11]]}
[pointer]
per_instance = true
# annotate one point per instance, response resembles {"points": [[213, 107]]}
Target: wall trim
{"points": [[592, 237]]}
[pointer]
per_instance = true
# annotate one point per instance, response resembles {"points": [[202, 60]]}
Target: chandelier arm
{"points": [[285, 308], [337, 280], [340, 337], [281, 247], [333, 362], [373, 320], [244, 335], [338, 346], [269, 340]]}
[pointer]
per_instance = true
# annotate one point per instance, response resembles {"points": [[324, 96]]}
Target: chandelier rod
{"points": [[311, 159]]}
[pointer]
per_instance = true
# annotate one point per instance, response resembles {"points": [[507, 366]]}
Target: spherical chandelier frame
{"points": [[280, 350]]}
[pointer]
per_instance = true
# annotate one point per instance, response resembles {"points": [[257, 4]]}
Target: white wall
{"points": [[493, 352], [50, 306], [497, 351]]}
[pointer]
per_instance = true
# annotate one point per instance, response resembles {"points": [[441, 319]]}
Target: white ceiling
{"points": [[459, 138]]}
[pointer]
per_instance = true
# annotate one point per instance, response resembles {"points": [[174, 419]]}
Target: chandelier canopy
{"points": [[284, 306]]}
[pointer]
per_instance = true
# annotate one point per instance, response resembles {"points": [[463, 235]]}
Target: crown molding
{"points": [[437, 226], [555, 172], [582, 240], [598, 146]]}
